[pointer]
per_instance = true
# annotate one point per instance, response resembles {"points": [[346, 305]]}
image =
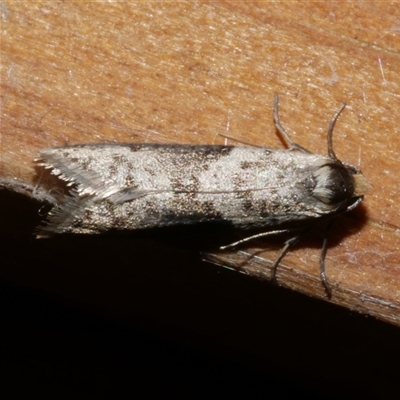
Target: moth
{"points": [[127, 187]]}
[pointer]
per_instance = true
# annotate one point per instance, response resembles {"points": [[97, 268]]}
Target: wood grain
{"points": [[190, 72]]}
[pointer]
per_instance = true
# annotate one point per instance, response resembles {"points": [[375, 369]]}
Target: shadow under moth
{"points": [[140, 186]]}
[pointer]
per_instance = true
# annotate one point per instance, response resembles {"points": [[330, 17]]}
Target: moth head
{"points": [[337, 185]]}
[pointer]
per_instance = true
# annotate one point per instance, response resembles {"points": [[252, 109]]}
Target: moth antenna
{"points": [[281, 130], [331, 152]]}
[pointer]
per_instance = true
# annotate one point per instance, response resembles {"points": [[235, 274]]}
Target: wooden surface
{"points": [[190, 72]]}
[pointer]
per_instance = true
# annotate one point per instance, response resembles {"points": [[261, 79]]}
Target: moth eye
{"points": [[333, 184]]}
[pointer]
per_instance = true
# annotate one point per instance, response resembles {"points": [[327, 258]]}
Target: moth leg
{"points": [[280, 128], [258, 235], [322, 272], [291, 242], [288, 244]]}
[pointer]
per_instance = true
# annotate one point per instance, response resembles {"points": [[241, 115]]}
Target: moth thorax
{"points": [[331, 183]]}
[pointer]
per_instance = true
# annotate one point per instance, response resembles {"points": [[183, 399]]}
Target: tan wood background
{"points": [[190, 72]]}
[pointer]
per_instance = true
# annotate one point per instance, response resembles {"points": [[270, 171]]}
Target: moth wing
{"points": [[88, 182], [128, 194]]}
